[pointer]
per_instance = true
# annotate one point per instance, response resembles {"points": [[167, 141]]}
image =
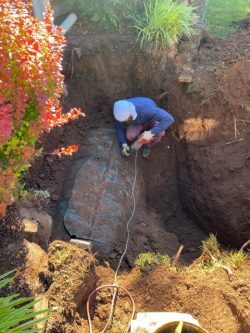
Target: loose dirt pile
{"points": [[69, 277], [219, 304], [66, 276]]}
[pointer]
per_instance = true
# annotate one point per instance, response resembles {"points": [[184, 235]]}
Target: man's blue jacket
{"points": [[146, 110]]}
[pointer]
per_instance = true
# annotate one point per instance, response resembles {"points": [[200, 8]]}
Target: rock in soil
{"points": [[37, 223]]}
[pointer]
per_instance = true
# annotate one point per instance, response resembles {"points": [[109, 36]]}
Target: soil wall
{"points": [[204, 169]]}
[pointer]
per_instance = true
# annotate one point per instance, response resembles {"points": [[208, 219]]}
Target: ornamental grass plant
{"points": [[16, 313], [166, 22]]}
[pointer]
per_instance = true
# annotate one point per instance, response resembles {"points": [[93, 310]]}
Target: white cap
{"points": [[123, 110]]}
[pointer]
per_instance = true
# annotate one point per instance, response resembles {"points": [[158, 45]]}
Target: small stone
{"points": [[30, 226], [36, 220], [106, 264], [35, 258], [185, 78]]}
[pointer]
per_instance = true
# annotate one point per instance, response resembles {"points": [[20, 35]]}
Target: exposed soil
{"points": [[11, 233], [69, 277], [220, 305], [98, 80]]}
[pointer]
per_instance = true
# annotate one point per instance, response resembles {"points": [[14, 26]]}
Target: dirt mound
{"points": [[220, 305], [69, 275]]}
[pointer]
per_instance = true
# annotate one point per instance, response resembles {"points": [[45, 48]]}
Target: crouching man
{"points": [[139, 122]]}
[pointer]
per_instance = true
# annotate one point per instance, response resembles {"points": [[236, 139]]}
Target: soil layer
{"points": [[219, 304]]}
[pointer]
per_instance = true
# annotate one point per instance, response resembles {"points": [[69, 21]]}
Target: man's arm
{"points": [[165, 120], [120, 131]]}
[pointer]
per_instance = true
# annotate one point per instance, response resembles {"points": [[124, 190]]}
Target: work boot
{"points": [[146, 151]]}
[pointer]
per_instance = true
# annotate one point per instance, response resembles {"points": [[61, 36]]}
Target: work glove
{"points": [[135, 146], [125, 150], [146, 137]]}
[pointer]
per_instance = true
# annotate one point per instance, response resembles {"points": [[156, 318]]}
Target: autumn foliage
{"points": [[31, 84]]}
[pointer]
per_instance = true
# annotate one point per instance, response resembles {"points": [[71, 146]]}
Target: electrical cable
{"points": [[109, 286], [130, 219], [115, 285]]}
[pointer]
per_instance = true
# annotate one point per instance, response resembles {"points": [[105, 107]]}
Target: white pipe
{"points": [[68, 22], [39, 10]]}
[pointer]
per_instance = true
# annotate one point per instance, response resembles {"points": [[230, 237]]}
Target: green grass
{"points": [[236, 258], [110, 14], [16, 313], [221, 15], [166, 22], [211, 245], [147, 259], [213, 257], [61, 256]]}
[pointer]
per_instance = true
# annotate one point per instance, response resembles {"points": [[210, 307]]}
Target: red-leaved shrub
{"points": [[31, 84]]}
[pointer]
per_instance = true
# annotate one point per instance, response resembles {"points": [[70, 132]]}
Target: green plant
{"points": [[17, 314], [39, 193], [61, 256], [221, 15], [22, 193], [147, 259], [213, 257], [108, 13], [211, 246], [236, 258], [20, 190], [166, 22]]}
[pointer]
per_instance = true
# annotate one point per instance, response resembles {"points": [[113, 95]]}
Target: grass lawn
{"points": [[221, 15]]}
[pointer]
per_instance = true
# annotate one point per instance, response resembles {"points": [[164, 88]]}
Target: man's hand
{"points": [[135, 146], [146, 137], [125, 150]]}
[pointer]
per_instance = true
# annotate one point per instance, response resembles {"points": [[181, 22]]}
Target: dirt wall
{"points": [[212, 139], [210, 172]]}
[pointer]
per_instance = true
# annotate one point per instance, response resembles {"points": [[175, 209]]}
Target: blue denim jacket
{"points": [[146, 110]]}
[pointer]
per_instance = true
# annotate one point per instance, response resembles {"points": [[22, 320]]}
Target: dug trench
{"points": [[196, 181], [97, 75]]}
